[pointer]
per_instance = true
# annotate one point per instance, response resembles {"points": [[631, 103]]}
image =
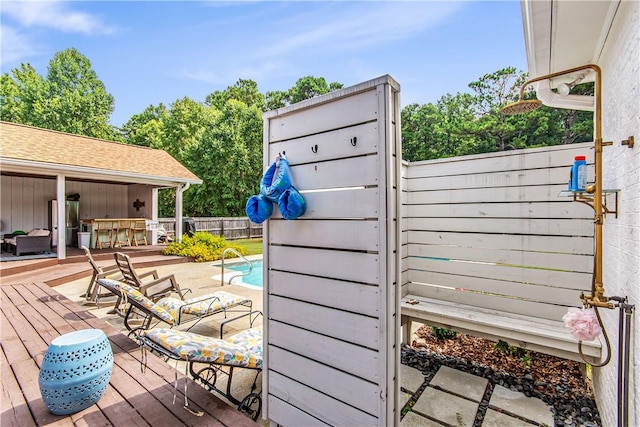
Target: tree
{"points": [[305, 88], [147, 128], [228, 158], [23, 96], [71, 98], [471, 123], [244, 91]]}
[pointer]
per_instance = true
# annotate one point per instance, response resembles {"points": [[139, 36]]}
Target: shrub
{"points": [[442, 333], [202, 247]]}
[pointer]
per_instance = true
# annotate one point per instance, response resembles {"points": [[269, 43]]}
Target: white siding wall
{"points": [[620, 62], [330, 299], [24, 201]]}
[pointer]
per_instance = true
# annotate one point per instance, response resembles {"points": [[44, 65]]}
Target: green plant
{"points": [[504, 348], [442, 333], [202, 247], [526, 359]]}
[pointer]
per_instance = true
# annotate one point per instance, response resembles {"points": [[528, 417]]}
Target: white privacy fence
{"points": [[330, 287], [492, 248]]}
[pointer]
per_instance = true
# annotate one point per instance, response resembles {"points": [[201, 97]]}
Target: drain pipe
{"points": [[628, 313], [624, 350], [555, 100]]}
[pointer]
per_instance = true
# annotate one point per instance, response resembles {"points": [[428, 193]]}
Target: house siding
{"points": [[620, 62]]}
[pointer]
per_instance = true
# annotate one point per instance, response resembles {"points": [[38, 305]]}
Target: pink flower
{"points": [[582, 323]]}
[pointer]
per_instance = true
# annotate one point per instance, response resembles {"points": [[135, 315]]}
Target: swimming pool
{"points": [[253, 279]]}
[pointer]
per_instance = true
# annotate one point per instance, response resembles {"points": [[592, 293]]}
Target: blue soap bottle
{"points": [[579, 174]]}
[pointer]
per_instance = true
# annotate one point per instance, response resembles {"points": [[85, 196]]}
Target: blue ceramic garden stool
{"points": [[75, 371]]}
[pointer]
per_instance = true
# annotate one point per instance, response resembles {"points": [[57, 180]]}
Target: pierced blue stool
{"points": [[75, 371]]}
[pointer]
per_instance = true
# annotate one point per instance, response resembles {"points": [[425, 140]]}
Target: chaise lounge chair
{"points": [[243, 350], [98, 273], [176, 311]]}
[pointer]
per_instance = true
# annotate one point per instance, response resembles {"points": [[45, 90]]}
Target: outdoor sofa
{"points": [[35, 241]]}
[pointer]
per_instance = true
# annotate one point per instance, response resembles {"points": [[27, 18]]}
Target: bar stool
{"points": [[139, 232], [104, 229], [123, 233]]}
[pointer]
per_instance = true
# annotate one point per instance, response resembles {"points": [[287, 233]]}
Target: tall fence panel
{"points": [[330, 284], [492, 232]]}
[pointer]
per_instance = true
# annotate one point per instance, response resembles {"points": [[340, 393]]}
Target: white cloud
{"points": [[54, 15], [365, 25], [16, 46]]}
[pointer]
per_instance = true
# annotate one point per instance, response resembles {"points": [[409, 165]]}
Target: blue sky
{"points": [[156, 52]]}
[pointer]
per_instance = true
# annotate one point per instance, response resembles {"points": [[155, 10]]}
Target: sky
{"points": [[147, 53]]}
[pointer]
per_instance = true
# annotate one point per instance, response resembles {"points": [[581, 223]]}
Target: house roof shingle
{"points": [[21, 142]]}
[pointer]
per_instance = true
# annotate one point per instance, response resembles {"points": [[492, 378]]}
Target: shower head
{"points": [[520, 107]]}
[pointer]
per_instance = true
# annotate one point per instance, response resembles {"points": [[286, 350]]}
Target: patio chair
{"points": [[176, 311], [139, 232], [242, 350], [104, 234], [98, 273], [123, 233]]}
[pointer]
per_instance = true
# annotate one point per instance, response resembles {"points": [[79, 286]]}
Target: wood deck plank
{"points": [[40, 314], [13, 406], [131, 383], [126, 346]]}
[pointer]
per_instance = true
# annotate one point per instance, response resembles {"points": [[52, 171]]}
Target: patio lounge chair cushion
{"points": [[242, 350], [202, 305], [132, 293]]}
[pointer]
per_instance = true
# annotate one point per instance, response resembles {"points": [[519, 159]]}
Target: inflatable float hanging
{"points": [[275, 187]]}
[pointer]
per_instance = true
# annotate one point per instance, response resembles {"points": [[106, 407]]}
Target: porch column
{"points": [[62, 223], [178, 235], [154, 215]]}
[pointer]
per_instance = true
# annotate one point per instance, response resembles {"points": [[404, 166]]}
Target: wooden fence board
{"points": [[360, 361], [317, 404], [334, 234], [346, 326], [298, 151], [339, 294], [355, 109], [557, 244], [546, 260], [342, 265], [340, 385], [283, 413]]}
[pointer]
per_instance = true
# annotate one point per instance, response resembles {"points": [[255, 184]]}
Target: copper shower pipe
{"points": [[597, 297]]}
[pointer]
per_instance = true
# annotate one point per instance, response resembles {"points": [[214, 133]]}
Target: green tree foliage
{"points": [[245, 91], [471, 123], [305, 88], [70, 99], [146, 128]]}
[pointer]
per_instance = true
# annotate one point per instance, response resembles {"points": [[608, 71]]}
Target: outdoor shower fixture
{"points": [[597, 298], [594, 198]]}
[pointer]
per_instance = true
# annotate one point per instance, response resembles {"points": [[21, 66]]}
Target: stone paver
{"points": [[414, 420], [517, 403], [410, 378], [462, 383], [496, 419], [446, 407]]}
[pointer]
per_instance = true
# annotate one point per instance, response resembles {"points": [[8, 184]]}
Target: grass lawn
{"points": [[253, 246]]}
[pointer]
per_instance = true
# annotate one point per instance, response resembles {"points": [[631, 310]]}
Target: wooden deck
{"points": [[34, 314]]}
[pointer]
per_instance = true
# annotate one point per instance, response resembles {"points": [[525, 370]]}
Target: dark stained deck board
{"points": [[132, 398], [13, 406]]}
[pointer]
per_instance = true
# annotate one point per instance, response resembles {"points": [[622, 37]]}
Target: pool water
{"points": [[254, 278]]}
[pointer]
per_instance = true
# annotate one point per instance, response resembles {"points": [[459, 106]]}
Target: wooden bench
{"points": [[541, 335]]}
